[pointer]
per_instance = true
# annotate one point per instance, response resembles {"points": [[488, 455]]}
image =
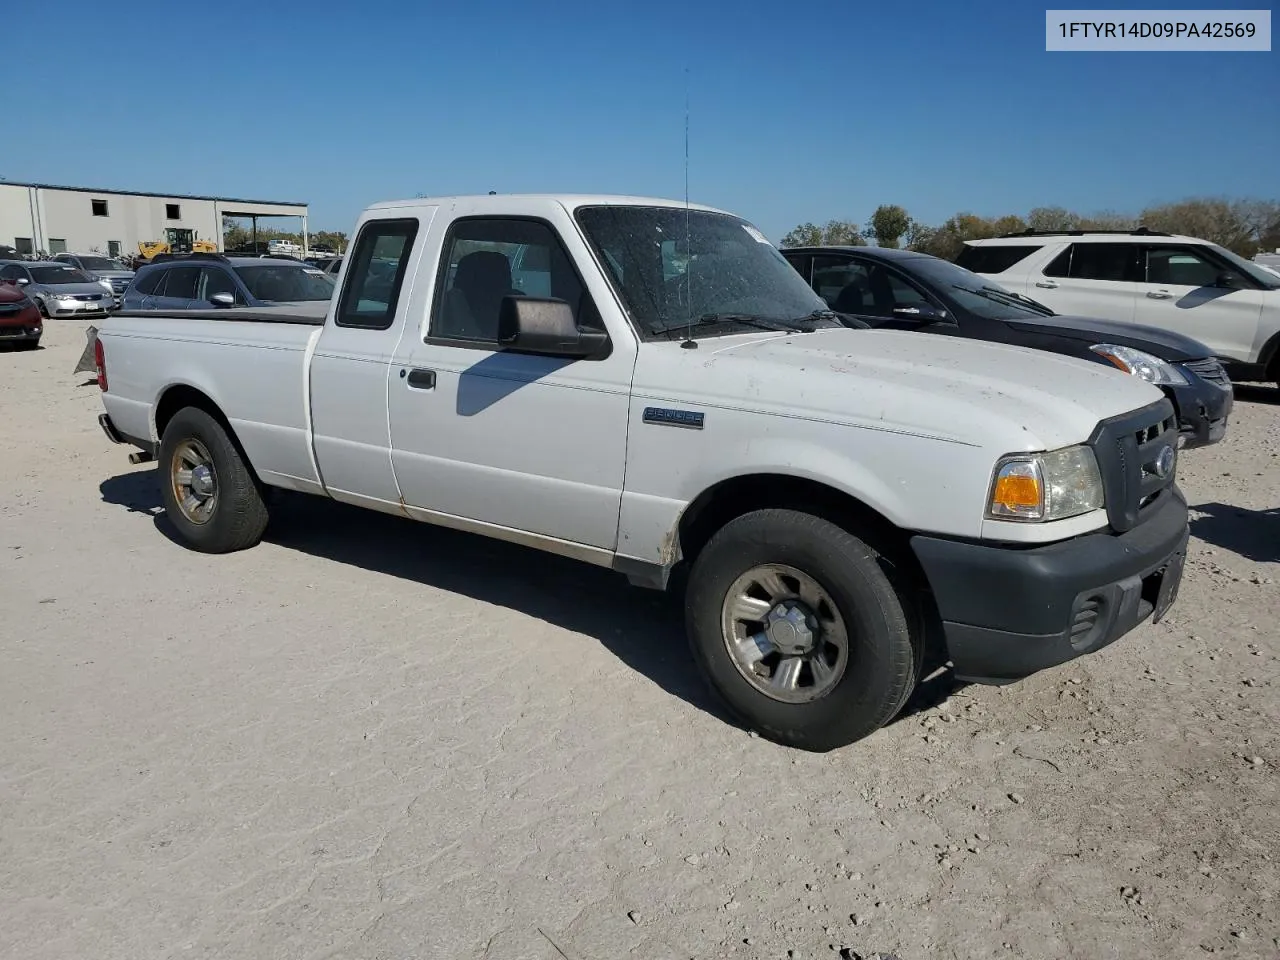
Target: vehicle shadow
{"points": [[642, 628], [1256, 393], [1254, 534]]}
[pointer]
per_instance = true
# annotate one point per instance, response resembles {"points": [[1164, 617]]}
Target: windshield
{"points": [[1250, 269], [976, 294], [100, 263], [283, 282], [671, 266], [56, 275]]}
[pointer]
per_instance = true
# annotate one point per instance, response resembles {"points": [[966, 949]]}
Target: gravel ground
{"points": [[371, 739]]}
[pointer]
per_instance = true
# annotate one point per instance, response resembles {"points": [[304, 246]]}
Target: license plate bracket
{"points": [[1170, 579]]}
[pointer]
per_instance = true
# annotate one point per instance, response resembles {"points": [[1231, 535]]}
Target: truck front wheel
{"points": [[797, 627], [210, 495]]}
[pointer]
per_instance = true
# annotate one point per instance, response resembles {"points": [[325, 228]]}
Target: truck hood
{"points": [[965, 391], [1165, 344]]}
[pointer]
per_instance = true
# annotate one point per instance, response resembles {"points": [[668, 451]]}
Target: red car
{"points": [[20, 320]]}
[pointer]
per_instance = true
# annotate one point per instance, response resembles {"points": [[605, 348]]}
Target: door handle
{"points": [[1159, 294], [421, 379], [1047, 284]]}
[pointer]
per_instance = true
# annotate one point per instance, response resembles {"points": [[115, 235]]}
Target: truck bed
{"points": [[235, 315], [250, 362]]}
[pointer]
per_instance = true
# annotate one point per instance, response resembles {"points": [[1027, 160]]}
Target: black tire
{"points": [[27, 344], [238, 517], [882, 665]]}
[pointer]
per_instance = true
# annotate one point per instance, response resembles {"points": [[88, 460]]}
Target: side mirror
{"points": [[545, 326], [223, 299], [921, 313], [1226, 281], [22, 281]]}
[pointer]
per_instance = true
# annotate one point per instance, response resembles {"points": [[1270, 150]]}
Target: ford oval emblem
{"points": [[1165, 462]]}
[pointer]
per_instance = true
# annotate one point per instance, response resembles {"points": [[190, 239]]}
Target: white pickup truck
{"points": [[642, 384]]}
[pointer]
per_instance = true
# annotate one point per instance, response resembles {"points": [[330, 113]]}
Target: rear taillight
{"points": [[100, 361]]}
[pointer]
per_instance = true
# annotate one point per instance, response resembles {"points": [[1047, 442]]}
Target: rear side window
{"points": [[994, 258], [1095, 261], [376, 274], [147, 282]]}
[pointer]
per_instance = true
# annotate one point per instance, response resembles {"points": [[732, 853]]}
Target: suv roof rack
{"points": [[1136, 232], [166, 257]]}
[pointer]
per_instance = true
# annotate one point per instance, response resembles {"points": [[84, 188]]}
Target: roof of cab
{"points": [[569, 200]]}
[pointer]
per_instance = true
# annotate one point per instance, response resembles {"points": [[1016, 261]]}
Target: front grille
{"points": [[87, 297], [1210, 370], [118, 284], [6, 309], [14, 332], [1137, 455]]}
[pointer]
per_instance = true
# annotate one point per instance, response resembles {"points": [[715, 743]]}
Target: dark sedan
{"points": [[900, 289]]}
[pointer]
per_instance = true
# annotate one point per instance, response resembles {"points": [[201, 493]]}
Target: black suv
{"points": [[901, 289]]}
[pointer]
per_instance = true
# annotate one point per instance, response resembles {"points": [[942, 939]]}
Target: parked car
{"points": [[210, 280], [102, 268], [20, 320], [59, 290], [839, 496], [1176, 283], [903, 290]]}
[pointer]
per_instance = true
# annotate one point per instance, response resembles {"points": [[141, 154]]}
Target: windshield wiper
{"points": [[807, 323], [746, 319], [1008, 299]]}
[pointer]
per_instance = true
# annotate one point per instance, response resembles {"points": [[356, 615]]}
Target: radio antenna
{"points": [[689, 343]]}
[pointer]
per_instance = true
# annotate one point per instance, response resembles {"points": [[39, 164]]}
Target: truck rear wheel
{"points": [[210, 495], [797, 627]]}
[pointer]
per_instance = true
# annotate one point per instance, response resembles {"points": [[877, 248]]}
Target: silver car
{"points": [[58, 289], [101, 268]]}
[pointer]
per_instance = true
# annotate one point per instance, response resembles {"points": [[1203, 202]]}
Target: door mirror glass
{"points": [[545, 326], [223, 299], [1227, 281], [22, 281], [921, 313]]}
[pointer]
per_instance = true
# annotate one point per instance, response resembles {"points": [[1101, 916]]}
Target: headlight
{"points": [[1140, 364], [107, 284], [1046, 486]]}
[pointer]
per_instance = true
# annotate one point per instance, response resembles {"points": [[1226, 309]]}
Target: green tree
{"points": [[833, 233], [948, 240], [1108, 220], [805, 235], [1207, 218], [1052, 218], [1010, 223], [888, 224]]}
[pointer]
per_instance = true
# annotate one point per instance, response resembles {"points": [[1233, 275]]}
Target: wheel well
{"points": [[179, 396], [1270, 357], [732, 498]]}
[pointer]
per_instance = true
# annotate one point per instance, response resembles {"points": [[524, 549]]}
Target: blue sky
{"points": [[799, 111]]}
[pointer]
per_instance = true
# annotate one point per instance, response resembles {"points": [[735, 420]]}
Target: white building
{"points": [[41, 216]]}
